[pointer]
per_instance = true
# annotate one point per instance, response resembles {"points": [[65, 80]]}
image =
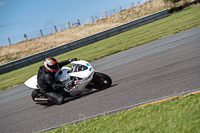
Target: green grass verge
{"points": [[174, 23], [179, 115]]}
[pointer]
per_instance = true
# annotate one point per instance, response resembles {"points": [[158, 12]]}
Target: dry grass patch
{"points": [[29, 47]]}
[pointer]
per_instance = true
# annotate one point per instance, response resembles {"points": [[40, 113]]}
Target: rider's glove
{"points": [[74, 59]]}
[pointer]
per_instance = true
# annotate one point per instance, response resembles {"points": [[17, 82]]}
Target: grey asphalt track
{"points": [[157, 69]]}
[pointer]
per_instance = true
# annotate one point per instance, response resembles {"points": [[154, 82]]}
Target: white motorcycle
{"points": [[81, 70]]}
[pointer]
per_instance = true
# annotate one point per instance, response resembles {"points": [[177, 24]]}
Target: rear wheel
{"points": [[36, 94], [101, 81]]}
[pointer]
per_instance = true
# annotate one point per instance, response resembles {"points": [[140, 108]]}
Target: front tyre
{"points": [[101, 81]]}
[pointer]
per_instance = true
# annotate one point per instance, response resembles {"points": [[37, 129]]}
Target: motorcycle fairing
{"points": [[83, 73], [32, 82]]}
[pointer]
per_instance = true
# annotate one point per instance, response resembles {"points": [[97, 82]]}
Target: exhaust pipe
{"points": [[41, 100]]}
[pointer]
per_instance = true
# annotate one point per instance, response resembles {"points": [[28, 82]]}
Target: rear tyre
{"points": [[101, 81], [37, 94]]}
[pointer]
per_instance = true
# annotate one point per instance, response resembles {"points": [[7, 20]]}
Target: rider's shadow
{"points": [[86, 94]]}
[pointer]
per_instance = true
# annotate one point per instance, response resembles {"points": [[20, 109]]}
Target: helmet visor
{"points": [[56, 66]]}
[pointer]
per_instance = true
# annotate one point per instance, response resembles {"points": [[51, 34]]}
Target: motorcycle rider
{"points": [[46, 79]]}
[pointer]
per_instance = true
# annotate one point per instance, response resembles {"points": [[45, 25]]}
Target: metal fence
{"points": [[34, 34], [52, 29], [7, 67]]}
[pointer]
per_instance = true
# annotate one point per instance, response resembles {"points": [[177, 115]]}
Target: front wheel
{"points": [[101, 81]]}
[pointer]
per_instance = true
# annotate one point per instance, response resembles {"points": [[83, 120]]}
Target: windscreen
{"points": [[78, 68]]}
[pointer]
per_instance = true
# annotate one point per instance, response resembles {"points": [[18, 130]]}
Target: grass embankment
{"points": [[179, 115], [174, 23], [29, 47]]}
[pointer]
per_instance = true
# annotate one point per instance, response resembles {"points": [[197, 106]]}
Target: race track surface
{"points": [[157, 69]]}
